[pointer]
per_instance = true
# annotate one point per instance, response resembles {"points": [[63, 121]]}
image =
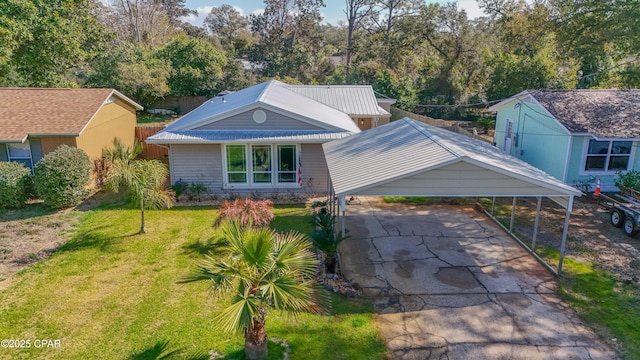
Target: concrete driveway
{"points": [[447, 283]]}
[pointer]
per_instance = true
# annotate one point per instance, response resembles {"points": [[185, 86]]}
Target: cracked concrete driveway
{"points": [[447, 283]]}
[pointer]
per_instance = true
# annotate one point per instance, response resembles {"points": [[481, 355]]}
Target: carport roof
{"points": [[410, 158]]}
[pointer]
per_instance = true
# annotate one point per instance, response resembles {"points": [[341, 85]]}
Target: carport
{"points": [[408, 158]]}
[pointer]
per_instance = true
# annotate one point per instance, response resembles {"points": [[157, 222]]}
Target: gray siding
{"points": [[203, 164], [198, 164], [314, 168], [244, 121], [458, 179]]}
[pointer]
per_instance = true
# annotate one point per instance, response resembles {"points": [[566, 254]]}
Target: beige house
{"points": [[35, 121]]}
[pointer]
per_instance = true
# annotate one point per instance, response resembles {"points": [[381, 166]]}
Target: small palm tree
{"points": [[145, 180], [263, 270]]}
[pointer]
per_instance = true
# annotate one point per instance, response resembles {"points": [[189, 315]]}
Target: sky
{"points": [[332, 12]]}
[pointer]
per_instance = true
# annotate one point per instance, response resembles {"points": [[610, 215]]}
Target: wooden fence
{"points": [[151, 151], [447, 124]]}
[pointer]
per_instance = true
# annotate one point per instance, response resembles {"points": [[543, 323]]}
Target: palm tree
{"points": [[263, 270], [145, 180]]}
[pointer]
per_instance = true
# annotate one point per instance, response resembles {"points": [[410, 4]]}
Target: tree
{"points": [[196, 66], [42, 41], [133, 70], [229, 26], [356, 11], [145, 179], [263, 270]]}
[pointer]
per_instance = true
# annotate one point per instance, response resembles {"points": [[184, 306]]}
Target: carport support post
{"points": [[493, 206], [343, 206], [513, 214], [535, 224], [564, 232]]}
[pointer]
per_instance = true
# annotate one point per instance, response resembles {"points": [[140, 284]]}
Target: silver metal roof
{"points": [[405, 148], [245, 136], [272, 95], [355, 100]]}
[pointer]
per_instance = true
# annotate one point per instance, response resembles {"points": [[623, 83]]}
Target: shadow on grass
{"points": [[210, 246], [93, 239], [32, 210], [161, 351]]}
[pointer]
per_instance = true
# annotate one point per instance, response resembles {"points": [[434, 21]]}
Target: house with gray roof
{"points": [[266, 138], [573, 135]]}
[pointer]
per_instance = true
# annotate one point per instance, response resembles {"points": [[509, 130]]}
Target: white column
{"points": [[564, 233], [493, 206], [343, 205], [535, 224]]}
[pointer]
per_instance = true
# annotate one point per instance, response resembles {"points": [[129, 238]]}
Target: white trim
{"points": [[585, 149], [274, 184], [567, 159]]}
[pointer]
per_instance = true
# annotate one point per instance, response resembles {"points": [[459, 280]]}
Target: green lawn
{"points": [[153, 119], [111, 293]]}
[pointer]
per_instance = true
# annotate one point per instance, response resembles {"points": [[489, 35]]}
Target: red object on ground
{"points": [[597, 192]]}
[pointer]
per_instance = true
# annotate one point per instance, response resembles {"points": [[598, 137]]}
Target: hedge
{"points": [[62, 175], [14, 184]]}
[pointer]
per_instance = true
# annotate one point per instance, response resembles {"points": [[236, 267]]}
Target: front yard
{"points": [[112, 293]]}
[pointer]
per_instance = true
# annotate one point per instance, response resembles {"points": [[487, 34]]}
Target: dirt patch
{"points": [[591, 237]]}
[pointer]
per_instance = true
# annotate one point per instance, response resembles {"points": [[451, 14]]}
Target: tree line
{"points": [[431, 57]]}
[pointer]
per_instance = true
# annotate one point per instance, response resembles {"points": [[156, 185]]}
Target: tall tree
{"points": [[196, 66], [356, 11], [262, 271], [287, 36], [43, 41], [229, 26]]}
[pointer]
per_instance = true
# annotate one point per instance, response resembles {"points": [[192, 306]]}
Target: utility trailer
{"points": [[624, 210]]}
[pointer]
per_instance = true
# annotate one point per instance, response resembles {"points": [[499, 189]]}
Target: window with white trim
{"points": [[260, 165], [20, 152], [608, 156]]}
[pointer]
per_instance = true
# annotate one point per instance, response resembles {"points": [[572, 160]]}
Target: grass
{"points": [[153, 119], [607, 304], [113, 293]]}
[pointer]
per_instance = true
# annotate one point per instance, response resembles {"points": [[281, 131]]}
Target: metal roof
{"points": [[218, 136], [355, 100], [272, 95], [405, 148]]}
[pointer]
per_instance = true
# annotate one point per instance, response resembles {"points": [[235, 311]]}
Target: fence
{"points": [[449, 125], [150, 151]]}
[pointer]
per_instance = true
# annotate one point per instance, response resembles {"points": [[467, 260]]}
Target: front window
{"points": [[608, 155], [261, 165], [20, 152]]}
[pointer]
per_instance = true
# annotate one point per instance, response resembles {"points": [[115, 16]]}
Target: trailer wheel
{"points": [[629, 227], [617, 218]]}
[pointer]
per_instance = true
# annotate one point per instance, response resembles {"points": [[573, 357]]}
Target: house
{"points": [[35, 121], [263, 139], [573, 135], [357, 101]]}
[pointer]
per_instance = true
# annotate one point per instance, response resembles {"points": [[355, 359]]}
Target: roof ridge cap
{"points": [[431, 136]]}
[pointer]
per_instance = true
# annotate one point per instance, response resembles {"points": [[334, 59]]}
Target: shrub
{"points": [[196, 190], [247, 212], [630, 179], [325, 239], [179, 188], [61, 176], [14, 184]]}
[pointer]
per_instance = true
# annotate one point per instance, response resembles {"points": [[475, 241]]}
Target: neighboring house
{"points": [[263, 139], [35, 121], [572, 135], [357, 101]]}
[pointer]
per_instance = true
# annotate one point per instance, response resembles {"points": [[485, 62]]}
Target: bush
{"points": [[247, 212], [61, 176], [14, 184], [631, 180]]}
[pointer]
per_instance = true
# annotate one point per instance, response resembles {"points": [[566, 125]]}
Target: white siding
{"points": [[244, 121], [198, 164], [458, 179]]}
